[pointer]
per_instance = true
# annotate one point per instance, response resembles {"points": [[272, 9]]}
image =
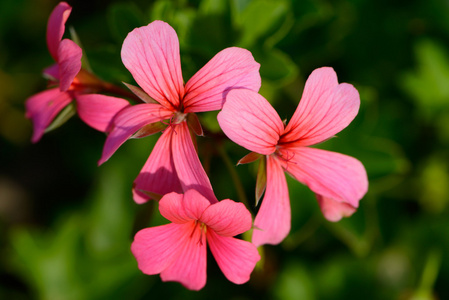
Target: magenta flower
{"points": [[339, 181], [66, 53], [178, 250], [95, 110], [151, 54]]}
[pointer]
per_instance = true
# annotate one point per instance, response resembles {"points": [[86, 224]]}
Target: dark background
{"points": [[66, 225]]}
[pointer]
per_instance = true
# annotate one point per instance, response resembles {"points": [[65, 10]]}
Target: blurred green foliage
{"points": [[66, 225]]}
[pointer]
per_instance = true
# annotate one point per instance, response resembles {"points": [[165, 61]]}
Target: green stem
{"points": [[358, 246], [307, 230], [92, 84], [234, 176]]}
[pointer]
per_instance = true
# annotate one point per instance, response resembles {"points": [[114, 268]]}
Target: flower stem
{"points": [[234, 175]]}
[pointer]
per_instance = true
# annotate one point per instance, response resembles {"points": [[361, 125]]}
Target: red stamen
{"points": [[170, 123], [286, 158]]}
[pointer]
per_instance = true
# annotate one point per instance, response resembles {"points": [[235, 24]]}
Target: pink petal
{"points": [[158, 175], [326, 108], [56, 27], [172, 208], [272, 223], [128, 121], [236, 258], [250, 121], [329, 174], [158, 247], [52, 72], [151, 54], [195, 204], [333, 210], [43, 107], [188, 166], [190, 266], [227, 218], [230, 68], [69, 61], [97, 111]]}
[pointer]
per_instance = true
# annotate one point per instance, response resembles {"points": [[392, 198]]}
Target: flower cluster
{"points": [[173, 174]]}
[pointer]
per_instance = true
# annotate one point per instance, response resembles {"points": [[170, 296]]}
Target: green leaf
{"points": [[84, 61], [48, 261], [209, 121], [428, 84], [211, 32], [433, 179], [162, 10], [294, 282], [211, 7], [110, 216], [238, 6], [123, 18], [85, 255], [179, 16], [261, 19], [276, 66], [106, 61], [429, 276]]}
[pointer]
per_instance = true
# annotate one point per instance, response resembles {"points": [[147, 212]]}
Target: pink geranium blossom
{"points": [[178, 250], [73, 82], [173, 166], [339, 181], [151, 54]]}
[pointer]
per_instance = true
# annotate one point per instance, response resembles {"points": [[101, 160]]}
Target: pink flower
{"points": [[66, 53], [339, 181], [73, 81], [151, 54], [173, 166], [178, 250]]}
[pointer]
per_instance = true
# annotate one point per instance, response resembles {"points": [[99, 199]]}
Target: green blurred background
{"points": [[66, 225]]}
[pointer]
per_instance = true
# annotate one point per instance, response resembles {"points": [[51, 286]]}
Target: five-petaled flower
{"points": [[339, 181], [73, 83], [151, 54], [178, 250]]}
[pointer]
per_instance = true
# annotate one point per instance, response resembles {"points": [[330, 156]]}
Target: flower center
{"points": [[177, 118], [199, 231], [285, 156]]}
